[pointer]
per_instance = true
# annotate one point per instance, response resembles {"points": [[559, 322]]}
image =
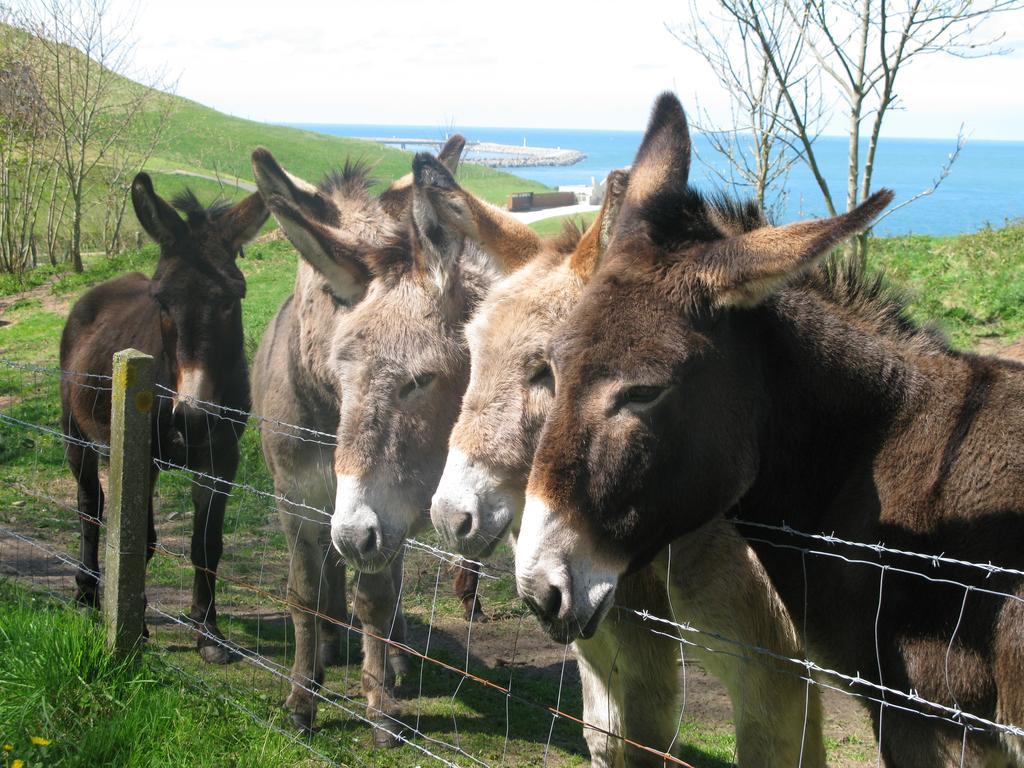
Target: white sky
{"points": [[523, 63]]}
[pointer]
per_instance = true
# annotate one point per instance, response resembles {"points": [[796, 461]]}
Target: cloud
{"points": [[534, 63]]}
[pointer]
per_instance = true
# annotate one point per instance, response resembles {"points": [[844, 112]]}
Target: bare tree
{"points": [[90, 102], [26, 162], [753, 140], [124, 160], [860, 47], [54, 227]]}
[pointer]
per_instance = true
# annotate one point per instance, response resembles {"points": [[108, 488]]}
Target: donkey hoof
{"points": [[303, 722], [386, 735], [474, 611], [215, 654]]}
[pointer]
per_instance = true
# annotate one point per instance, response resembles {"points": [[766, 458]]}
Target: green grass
{"points": [[61, 686], [971, 285], [554, 225]]}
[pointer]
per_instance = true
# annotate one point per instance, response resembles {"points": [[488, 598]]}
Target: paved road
{"points": [[248, 186]]}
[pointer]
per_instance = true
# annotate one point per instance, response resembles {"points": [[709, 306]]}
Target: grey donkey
{"points": [[369, 348]]}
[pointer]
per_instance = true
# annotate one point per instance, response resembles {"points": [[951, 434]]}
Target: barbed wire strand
{"points": [[812, 666], [879, 548]]}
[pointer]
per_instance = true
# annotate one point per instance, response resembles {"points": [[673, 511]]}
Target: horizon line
{"points": [[303, 123]]}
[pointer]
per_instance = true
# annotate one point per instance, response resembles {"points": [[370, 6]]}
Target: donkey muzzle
{"points": [[561, 579], [472, 508], [358, 532]]}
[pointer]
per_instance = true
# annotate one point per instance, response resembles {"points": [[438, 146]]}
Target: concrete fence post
{"points": [[128, 501]]}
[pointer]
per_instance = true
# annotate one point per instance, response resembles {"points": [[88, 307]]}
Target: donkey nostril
{"points": [[369, 542], [464, 524], [550, 602]]}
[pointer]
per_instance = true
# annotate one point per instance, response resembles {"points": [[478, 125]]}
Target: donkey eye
{"points": [[416, 382], [641, 395], [542, 377]]}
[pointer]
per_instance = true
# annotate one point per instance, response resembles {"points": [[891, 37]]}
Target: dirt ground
{"points": [[59, 304]]}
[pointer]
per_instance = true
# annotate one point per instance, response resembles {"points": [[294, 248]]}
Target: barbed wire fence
{"points": [[459, 707]]}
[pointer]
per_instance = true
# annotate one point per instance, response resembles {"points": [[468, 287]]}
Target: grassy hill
{"points": [[204, 140]]}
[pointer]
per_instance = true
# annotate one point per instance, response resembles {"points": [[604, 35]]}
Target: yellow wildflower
{"points": [[19, 763], [8, 747], [39, 741]]}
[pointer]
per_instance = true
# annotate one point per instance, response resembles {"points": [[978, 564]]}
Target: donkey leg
{"points": [[376, 602], [910, 741], [648, 670], [331, 631], [308, 594], [465, 586], [85, 467], [396, 656], [1009, 674], [209, 500], [649, 694], [719, 585], [596, 658]]}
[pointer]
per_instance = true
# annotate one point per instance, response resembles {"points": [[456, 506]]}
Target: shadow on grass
{"points": [[443, 703]]}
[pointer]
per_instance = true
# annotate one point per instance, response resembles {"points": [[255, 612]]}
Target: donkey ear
{"points": [[451, 152], [302, 211], [591, 249], [745, 269], [506, 240], [437, 241], [242, 223], [659, 176], [395, 199], [156, 216], [272, 179]]}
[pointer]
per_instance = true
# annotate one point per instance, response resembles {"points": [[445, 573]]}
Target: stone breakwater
{"points": [[494, 155], [509, 156]]}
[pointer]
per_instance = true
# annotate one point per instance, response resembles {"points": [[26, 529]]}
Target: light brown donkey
{"points": [[369, 349], [629, 674]]}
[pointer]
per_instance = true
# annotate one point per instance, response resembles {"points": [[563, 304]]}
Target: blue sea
{"points": [[985, 187]]}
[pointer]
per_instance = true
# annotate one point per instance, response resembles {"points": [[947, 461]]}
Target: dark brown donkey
{"points": [[188, 316], [709, 371]]}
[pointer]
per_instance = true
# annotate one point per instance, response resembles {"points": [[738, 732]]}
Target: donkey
{"points": [[188, 316], [710, 370], [369, 348], [630, 686]]}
